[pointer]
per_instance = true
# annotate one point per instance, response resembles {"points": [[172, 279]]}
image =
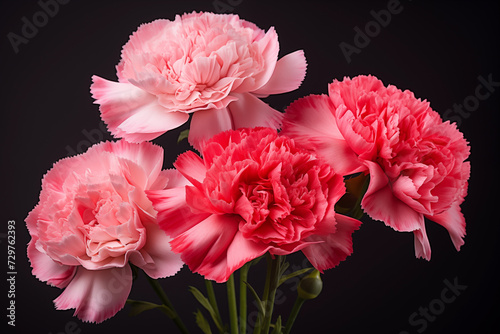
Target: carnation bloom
{"points": [[253, 192], [415, 161], [213, 65], [93, 219]]}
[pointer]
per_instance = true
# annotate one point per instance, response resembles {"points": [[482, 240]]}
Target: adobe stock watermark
{"points": [[421, 318], [225, 6], [32, 24], [483, 91], [362, 38], [92, 136]]}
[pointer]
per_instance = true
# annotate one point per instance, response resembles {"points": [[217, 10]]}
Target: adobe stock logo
{"points": [[483, 91], [39, 19], [428, 314], [362, 38]]}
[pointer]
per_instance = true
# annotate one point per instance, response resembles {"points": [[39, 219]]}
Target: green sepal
{"points": [[278, 328], [183, 135], [202, 322], [139, 306], [260, 304], [206, 304], [294, 274]]}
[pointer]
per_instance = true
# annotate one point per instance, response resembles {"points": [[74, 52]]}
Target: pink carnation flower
{"points": [[215, 66], [93, 219], [415, 161], [253, 192]]}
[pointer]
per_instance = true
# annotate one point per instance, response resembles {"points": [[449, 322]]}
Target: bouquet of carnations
{"points": [[246, 191]]}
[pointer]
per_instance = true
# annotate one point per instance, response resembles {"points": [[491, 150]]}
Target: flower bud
{"points": [[310, 286]]}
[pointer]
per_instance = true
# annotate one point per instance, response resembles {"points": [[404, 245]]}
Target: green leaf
{"points": [[277, 327], [202, 322], [283, 268], [260, 304], [183, 135], [138, 306], [206, 304], [292, 275]]}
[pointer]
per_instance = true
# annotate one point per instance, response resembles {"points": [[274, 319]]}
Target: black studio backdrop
{"points": [[444, 51]]}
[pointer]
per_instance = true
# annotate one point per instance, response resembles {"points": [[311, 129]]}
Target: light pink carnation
{"points": [[416, 162], [213, 65], [93, 219], [253, 192]]}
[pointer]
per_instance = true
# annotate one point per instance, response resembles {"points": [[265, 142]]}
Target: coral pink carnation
{"points": [[213, 65], [253, 192], [93, 219], [416, 162]]}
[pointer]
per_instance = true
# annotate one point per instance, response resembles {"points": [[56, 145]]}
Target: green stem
{"points": [[274, 278], [212, 299], [265, 295], [231, 298], [293, 315], [243, 297], [163, 297]]}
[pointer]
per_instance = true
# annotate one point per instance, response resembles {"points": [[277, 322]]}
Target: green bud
{"points": [[310, 286]]}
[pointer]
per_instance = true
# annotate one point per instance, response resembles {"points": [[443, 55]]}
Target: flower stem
{"points": [[274, 277], [243, 297], [293, 315], [163, 297], [212, 299], [231, 298]]}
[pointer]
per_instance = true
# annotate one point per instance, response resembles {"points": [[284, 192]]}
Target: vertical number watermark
{"points": [[11, 272]]}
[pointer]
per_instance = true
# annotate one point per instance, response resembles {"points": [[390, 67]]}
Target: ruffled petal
{"points": [[204, 247], [164, 261], [380, 203], [249, 112], [149, 121], [311, 123], [268, 48], [333, 248], [207, 123], [47, 270], [242, 251], [147, 159], [191, 166], [287, 76], [96, 295], [174, 215], [453, 220], [131, 112]]}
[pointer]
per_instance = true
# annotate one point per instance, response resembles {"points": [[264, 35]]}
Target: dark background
{"points": [[436, 49]]}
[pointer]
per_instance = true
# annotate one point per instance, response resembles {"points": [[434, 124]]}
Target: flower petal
{"points": [[164, 261], [335, 247], [204, 247], [47, 270], [150, 120], [453, 220], [380, 203], [249, 112], [174, 215], [241, 251], [131, 112], [147, 157], [207, 123], [287, 76], [191, 166], [268, 48], [96, 295], [310, 122]]}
